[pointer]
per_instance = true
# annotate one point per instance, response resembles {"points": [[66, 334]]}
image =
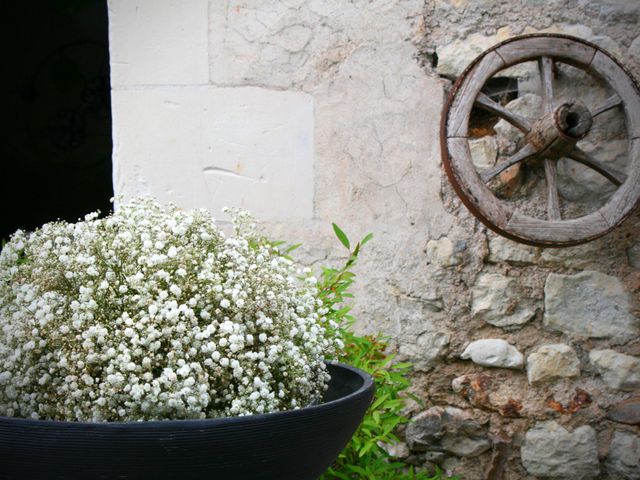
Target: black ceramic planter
{"points": [[293, 445]]}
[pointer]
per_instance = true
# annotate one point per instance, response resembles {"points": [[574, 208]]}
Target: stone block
{"points": [[442, 253], [451, 430], [623, 461], [502, 249], [424, 352], [618, 370], [633, 254], [580, 256], [484, 152], [627, 411], [493, 352], [549, 450], [498, 301], [454, 57], [589, 304], [551, 362]]}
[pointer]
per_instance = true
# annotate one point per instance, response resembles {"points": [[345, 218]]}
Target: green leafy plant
{"points": [[365, 456]]}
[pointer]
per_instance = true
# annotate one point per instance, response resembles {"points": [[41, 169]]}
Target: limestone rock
{"points": [[497, 301], [549, 450], [589, 304], [624, 456], [508, 181], [618, 370], [484, 152], [454, 57], [633, 254], [448, 429], [504, 250], [489, 393], [551, 362], [581, 256], [424, 351], [398, 450], [627, 411], [442, 252], [493, 352]]}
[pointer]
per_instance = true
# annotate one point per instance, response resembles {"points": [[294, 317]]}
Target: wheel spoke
{"points": [[553, 202], [525, 152], [611, 102], [483, 101], [545, 65], [580, 156]]}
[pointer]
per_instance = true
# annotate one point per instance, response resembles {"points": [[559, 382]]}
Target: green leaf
{"points": [[365, 449], [402, 366], [367, 237], [291, 248], [379, 401], [341, 236], [336, 474]]}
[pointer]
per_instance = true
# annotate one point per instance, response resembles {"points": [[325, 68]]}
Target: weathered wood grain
{"points": [[518, 121], [524, 153], [559, 231], [553, 202], [605, 67], [477, 195], [545, 67], [611, 102], [611, 174], [458, 121], [531, 48]]}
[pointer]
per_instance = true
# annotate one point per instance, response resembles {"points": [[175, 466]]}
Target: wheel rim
{"points": [[471, 187]]}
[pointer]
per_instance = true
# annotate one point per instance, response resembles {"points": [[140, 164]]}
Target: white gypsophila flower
{"points": [[154, 313]]}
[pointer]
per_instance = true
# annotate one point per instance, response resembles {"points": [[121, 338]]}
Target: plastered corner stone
{"points": [[158, 42], [243, 147]]}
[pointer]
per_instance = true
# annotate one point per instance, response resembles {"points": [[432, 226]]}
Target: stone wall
{"points": [[313, 111]]}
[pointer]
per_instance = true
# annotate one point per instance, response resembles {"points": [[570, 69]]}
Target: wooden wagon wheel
{"points": [[552, 136]]}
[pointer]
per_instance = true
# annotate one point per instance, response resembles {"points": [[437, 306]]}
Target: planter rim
{"points": [[367, 383]]}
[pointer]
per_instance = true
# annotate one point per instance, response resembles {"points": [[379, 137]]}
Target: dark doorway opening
{"points": [[56, 153]]}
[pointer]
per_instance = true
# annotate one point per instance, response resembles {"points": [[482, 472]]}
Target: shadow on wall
{"points": [[56, 149]]}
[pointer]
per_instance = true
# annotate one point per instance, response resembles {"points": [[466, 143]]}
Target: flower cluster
{"points": [[155, 313]]}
